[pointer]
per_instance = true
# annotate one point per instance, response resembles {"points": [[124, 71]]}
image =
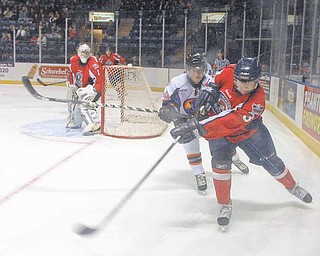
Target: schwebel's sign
{"points": [[53, 71]]}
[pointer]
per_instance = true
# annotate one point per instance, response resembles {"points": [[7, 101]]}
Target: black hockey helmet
{"points": [[247, 69], [196, 60]]}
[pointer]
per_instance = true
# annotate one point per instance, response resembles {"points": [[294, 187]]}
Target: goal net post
{"points": [[128, 86]]}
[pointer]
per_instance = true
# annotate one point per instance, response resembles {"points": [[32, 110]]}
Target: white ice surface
{"points": [[50, 180]]}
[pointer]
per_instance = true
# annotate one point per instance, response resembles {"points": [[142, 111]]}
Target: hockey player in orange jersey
{"points": [[237, 92], [180, 97]]}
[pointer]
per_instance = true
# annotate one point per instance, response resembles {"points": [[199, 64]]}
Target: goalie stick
{"points": [[34, 93], [45, 84], [82, 229]]}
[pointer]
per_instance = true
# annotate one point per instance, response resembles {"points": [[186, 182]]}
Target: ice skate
{"points": [[301, 193], [91, 129], [241, 166], [201, 182], [71, 124], [224, 216]]}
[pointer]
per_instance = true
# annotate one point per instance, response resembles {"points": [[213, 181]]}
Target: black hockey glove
{"points": [[207, 99], [90, 81], [168, 113], [188, 131]]}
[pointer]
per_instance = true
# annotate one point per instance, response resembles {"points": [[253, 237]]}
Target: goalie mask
{"points": [[246, 74], [84, 53], [196, 68]]}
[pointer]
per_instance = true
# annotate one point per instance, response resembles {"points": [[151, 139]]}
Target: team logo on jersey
{"points": [[224, 102], [79, 78], [257, 110], [189, 106]]}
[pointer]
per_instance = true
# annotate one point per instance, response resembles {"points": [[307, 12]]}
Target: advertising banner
{"points": [[45, 72], [311, 112], [264, 81], [287, 98]]}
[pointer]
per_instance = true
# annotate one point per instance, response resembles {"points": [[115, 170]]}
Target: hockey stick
{"points": [[38, 96], [82, 229], [45, 84]]}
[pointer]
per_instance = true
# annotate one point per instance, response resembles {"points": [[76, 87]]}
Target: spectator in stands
{"points": [[23, 13], [21, 33], [46, 28], [36, 19], [8, 13], [72, 31], [43, 40], [51, 17], [135, 60], [85, 31], [1, 12], [6, 37], [29, 32], [110, 30]]}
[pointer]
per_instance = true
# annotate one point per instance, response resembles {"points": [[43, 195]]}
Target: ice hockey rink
{"points": [[51, 179]]}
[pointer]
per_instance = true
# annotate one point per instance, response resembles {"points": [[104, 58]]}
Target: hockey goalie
{"points": [[86, 79]]}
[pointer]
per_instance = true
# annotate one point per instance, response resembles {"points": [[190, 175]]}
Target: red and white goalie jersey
{"points": [[82, 74], [238, 111]]}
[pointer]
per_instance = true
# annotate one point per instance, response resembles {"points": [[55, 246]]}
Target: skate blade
{"points": [[224, 229], [202, 192], [68, 129], [90, 133]]}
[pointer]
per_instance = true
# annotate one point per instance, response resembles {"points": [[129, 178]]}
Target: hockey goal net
{"points": [[127, 87]]}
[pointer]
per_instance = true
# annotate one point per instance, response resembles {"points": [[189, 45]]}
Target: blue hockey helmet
{"points": [[247, 69]]}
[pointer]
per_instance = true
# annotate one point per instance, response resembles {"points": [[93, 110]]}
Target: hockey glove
{"points": [[208, 97], [168, 113], [188, 131], [90, 81], [88, 95]]}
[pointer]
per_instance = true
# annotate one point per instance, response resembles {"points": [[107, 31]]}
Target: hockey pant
{"points": [[261, 151]]}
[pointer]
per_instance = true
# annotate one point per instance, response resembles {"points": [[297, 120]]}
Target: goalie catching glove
{"points": [[188, 131], [88, 94], [207, 100]]}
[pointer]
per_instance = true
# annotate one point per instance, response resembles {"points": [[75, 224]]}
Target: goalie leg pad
{"points": [[89, 115], [91, 118], [74, 119]]}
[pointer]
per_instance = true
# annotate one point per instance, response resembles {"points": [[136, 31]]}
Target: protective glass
{"points": [[245, 87]]}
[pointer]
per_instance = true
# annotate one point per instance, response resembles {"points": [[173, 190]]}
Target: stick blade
{"points": [[84, 230], [42, 83]]}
